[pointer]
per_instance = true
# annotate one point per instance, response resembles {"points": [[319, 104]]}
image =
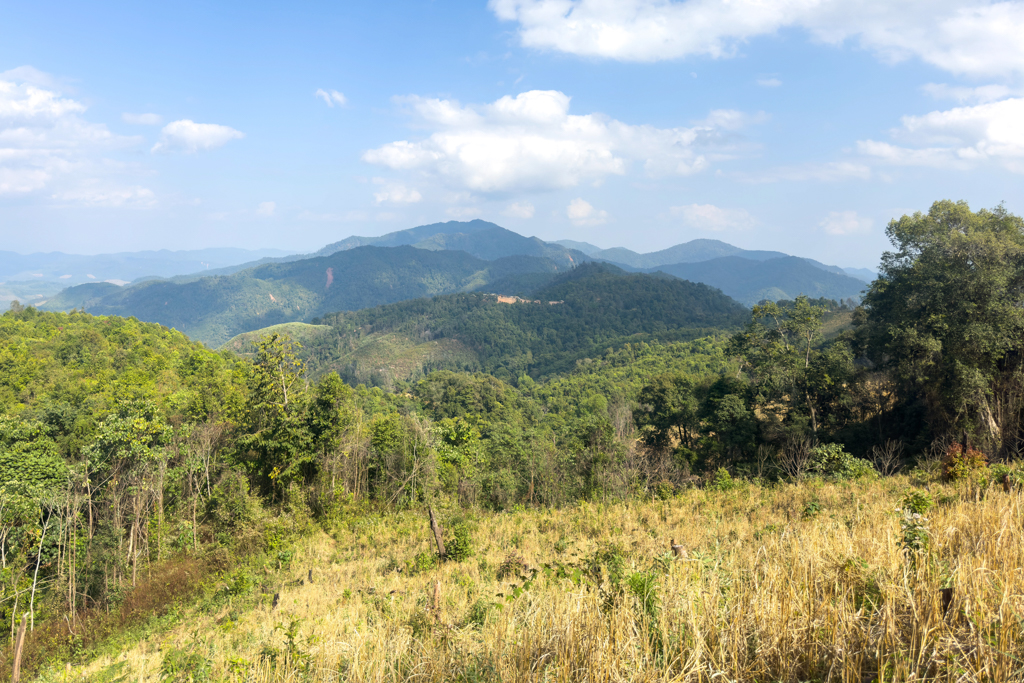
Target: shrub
{"points": [[830, 460], [423, 562], [958, 465], [459, 545], [722, 481]]}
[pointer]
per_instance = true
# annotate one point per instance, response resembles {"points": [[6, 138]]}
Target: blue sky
{"points": [[797, 125]]}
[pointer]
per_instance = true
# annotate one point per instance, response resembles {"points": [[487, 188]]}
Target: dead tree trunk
{"points": [[438, 534]]}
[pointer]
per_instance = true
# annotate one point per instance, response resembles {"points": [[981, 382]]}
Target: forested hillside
{"points": [[575, 315], [214, 309]]}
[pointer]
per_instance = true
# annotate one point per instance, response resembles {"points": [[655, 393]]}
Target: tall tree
{"points": [[946, 317]]}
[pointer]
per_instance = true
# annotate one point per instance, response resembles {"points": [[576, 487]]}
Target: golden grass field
{"points": [[802, 582]]}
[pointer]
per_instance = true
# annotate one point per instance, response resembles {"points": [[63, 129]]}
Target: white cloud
{"points": [[45, 144], [396, 194], [958, 138], [531, 142], [845, 223], [189, 136], [331, 98], [713, 218], [973, 37], [769, 82], [581, 213], [142, 119], [964, 95], [519, 210], [30, 75], [266, 208]]}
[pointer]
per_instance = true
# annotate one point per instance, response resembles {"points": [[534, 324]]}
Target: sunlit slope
{"points": [[574, 315]]}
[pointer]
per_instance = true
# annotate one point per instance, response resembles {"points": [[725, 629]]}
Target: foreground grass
{"points": [[789, 583]]}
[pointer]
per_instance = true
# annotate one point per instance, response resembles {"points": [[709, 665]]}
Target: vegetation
{"points": [[576, 315], [662, 508], [813, 581], [214, 309]]}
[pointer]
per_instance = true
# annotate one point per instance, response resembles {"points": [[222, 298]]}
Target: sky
{"points": [[802, 126]]}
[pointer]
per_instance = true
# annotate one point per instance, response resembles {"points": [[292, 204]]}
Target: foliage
{"points": [[831, 460], [945, 319], [957, 464]]}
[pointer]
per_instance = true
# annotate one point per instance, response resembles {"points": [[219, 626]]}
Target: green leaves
{"points": [[946, 317]]}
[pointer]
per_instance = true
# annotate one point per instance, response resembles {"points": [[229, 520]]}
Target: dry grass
{"points": [[794, 583]]}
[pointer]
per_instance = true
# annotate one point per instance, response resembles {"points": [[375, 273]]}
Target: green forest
{"points": [[127, 449]]}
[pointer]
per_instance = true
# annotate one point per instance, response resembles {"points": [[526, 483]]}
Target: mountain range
{"points": [[442, 258]]}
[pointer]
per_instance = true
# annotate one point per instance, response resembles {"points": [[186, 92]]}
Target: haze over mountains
{"points": [[443, 258], [31, 277]]}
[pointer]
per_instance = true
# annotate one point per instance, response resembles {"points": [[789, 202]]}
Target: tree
{"points": [[946, 318], [667, 408], [778, 350], [273, 442]]}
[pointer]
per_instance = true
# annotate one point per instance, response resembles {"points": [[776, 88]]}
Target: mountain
{"points": [[214, 309], [693, 251], [586, 247], [480, 238], [751, 281], [577, 314], [865, 274], [33, 278]]}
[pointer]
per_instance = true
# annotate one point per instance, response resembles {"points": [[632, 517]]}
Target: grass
{"points": [[768, 592]]}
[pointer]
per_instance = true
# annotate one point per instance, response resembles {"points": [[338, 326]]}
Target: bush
{"points": [[722, 481], [957, 465], [422, 562], [459, 545], [830, 460]]}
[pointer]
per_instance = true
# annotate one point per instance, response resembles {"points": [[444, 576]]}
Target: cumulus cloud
{"points": [[972, 37], [581, 213], [713, 218], [47, 145], [845, 223], [769, 82], [519, 210], [396, 194], [532, 142], [958, 138], [266, 208], [189, 136], [331, 98], [142, 119]]}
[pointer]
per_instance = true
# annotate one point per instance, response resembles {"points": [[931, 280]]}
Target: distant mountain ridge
{"points": [[214, 309]]}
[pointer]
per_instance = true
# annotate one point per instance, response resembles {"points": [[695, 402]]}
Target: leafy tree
{"points": [[946, 319], [668, 408], [273, 440]]}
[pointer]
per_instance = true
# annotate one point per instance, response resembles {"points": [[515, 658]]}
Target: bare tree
{"points": [[888, 458], [795, 458]]}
